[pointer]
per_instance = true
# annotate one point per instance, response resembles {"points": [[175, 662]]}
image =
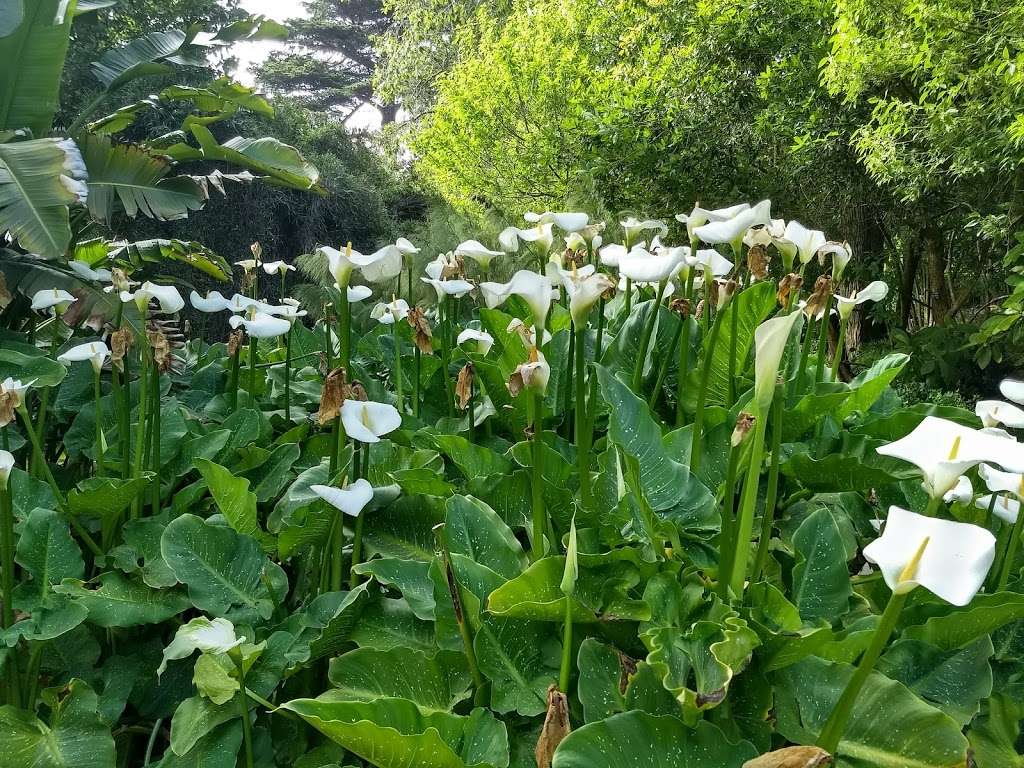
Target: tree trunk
{"points": [[936, 262], [911, 262]]}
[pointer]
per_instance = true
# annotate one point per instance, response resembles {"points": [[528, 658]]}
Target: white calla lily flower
{"points": [[248, 265], [6, 467], [380, 266], [482, 341], [368, 421], [357, 293], [841, 254], [1005, 508], [995, 412], [949, 559], [642, 266], [390, 312], [95, 352], [541, 236], [405, 246], [277, 267], [261, 325], [612, 254], [338, 263], [351, 499], [85, 271], [525, 332], [584, 291], [733, 230], [289, 309], [807, 241], [874, 291], [962, 492], [1012, 389], [52, 300], [534, 374], [166, 296], [709, 260], [998, 481], [478, 252], [200, 634], [943, 450], [770, 339], [214, 301], [454, 287], [533, 288], [569, 221], [698, 217], [15, 390], [632, 227], [242, 303]]}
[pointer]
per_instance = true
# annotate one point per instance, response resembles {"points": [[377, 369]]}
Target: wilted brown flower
{"points": [[161, 349], [248, 281], [257, 250], [556, 727], [792, 757], [700, 308], [464, 385], [8, 405], [681, 307], [121, 341], [5, 294], [235, 339], [757, 262], [744, 423], [790, 284], [724, 293], [821, 294], [119, 279], [335, 392], [452, 266], [609, 293], [574, 259], [358, 392], [421, 330]]}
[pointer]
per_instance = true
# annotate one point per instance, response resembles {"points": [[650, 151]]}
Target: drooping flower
{"points": [[943, 450], [85, 271], [368, 421], [200, 634], [52, 300], [261, 325], [443, 284], [166, 297], [525, 332], [841, 254], [277, 267], [874, 291], [949, 559], [632, 227], [389, 313], [565, 221], [481, 340], [478, 252], [533, 288], [533, 374], [95, 352], [214, 301], [350, 499]]}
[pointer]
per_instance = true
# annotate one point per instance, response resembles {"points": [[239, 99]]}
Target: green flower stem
{"points": [[566, 667], [1011, 553], [580, 413], [155, 461], [837, 358], [805, 349], [933, 506], [702, 394], [629, 295], [598, 344], [833, 731], [123, 434], [253, 342], [734, 327], [772, 495], [472, 410], [328, 347], [446, 355], [567, 409], [151, 743], [645, 338], [416, 384], [727, 536], [357, 539], [990, 512], [684, 366], [7, 555], [243, 706], [288, 374], [140, 432], [455, 591], [748, 500], [96, 389], [540, 522], [399, 394], [823, 339], [659, 380]]}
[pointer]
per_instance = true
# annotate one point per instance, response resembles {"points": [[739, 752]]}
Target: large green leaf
{"points": [[33, 58], [142, 57], [889, 726], [639, 740], [76, 736], [33, 200], [954, 627], [752, 307], [121, 602], [157, 251], [394, 733], [434, 683], [520, 658], [232, 495], [48, 553], [821, 582], [41, 370], [11, 14], [131, 176], [221, 568], [474, 529]]}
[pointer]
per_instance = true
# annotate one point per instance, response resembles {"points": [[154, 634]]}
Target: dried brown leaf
{"points": [[556, 727], [421, 330], [464, 385], [336, 391], [792, 757]]}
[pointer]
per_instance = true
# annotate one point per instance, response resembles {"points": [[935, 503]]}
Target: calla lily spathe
{"points": [[612, 254], [1005, 508], [541, 236], [632, 227], [338, 263], [367, 421], [995, 412], [533, 288], [642, 266], [15, 390], [534, 374], [200, 634], [383, 264], [943, 450], [732, 230], [525, 332], [455, 287], [952, 559], [357, 293], [242, 303], [998, 481], [698, 217], [351, 499], [584, 291], [481, 340], [770, 340], [248, 265], [261, 325], [86, 272], [807, 241], [841, 254], [566, 221], [214, 301], [289, 309], [95, 352], [961, 493], [1012, 389], [166, 297], [6, 467], [874, 291], [277, 267], [52, 300], [478, 252], [389, 313]]}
